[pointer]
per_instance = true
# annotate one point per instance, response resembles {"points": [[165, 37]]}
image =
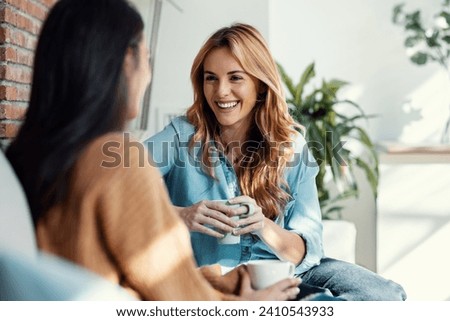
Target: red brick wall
{"points": [[20, 22]]}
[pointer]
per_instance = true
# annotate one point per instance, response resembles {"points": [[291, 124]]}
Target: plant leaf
{"points": [[371, 175], [351, 103], [413, 22], [419, 58], [326, 133], [445, 15], [354, 118], [412, 41], [304, 79], [396, 12], [432, 41], [286, 80], [327, 212], [334, 85], [370, 147]]}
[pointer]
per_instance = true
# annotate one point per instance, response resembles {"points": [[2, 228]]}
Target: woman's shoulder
{"points": [[115, 150], [182, 125], [103, 145], [179, 128]]}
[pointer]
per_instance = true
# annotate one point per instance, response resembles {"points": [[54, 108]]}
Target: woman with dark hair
{"points": [[238, 142], [92, 199]]}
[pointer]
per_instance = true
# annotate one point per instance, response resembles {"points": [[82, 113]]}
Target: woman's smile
{"points": [[227, 105]]}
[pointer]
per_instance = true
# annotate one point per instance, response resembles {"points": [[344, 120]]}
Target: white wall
{"points": [[356, 41], [181, 36], [414, 227]]}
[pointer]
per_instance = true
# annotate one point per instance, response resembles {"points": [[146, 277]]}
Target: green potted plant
{"points": [[427, 43], [330, 127], [327, 131]]}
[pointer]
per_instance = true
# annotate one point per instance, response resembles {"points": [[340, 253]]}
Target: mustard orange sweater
{"points": [[118, 222]]}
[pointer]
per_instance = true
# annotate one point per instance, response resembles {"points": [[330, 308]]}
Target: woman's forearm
{"points": [[286, 245]]}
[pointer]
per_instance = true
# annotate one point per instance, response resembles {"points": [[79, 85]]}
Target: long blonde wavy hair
{"points": [[269, 144]]}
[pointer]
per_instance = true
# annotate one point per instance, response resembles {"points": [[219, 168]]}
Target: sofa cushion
{"points": [[47, 277]]}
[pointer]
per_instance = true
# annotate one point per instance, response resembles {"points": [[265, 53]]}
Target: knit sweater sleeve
{"points": [[144, 236]]}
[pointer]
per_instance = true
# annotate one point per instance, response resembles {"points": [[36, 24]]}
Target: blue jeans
{"points": [[351, 282]]}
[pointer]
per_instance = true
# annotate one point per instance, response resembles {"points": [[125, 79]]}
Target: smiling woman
{"points": [[239, 142]]}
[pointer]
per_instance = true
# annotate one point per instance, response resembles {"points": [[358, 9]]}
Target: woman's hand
{"points": [[237, 282], [250, 224], [209, 217], [215, 218], [283, 290], [286, 245]]}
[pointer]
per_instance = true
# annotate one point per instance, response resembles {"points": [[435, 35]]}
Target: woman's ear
{"points": [[129, 63]]}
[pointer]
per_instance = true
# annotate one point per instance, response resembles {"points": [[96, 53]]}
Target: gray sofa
{"points": [[29, 274]]}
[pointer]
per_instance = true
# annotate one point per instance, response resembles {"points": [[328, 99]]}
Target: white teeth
{"points": [[227, 105]]}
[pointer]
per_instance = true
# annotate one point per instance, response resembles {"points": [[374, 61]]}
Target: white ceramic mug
{"points": [[264, 273], [230, 238]]}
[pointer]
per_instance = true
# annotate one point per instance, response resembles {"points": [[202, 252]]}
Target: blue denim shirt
{"points": [[188, 184]]}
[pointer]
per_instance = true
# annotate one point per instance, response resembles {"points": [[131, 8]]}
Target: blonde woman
{"points": [[238, 142]]}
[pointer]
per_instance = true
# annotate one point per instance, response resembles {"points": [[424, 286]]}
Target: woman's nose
{"points": [[223, 89]]}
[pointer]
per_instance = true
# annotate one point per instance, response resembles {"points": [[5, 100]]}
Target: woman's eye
{"points": [[236, 78], [210, 78]]}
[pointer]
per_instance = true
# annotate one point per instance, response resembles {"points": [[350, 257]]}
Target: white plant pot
{"points": [[339, 240]]}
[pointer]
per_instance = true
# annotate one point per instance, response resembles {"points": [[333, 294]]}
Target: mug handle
{"points": [[250, 209]]}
